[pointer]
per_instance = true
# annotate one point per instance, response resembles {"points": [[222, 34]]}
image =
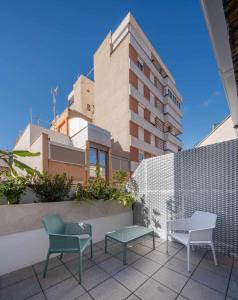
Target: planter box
{"points": [[25, 217]]}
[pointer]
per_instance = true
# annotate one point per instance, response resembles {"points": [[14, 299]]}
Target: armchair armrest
{"points": [[201, 235], [78, 229], [63, 241], [179, 224]]}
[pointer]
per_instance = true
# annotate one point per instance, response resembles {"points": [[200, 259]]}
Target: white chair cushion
{"points": [[180, 237]]}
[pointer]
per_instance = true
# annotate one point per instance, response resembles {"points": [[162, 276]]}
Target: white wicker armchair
{"points": [[196, 230]]}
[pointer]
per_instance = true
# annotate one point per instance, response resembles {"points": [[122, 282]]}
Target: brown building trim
{"points": [[147, 114], [146, 70], [147, 136], [133, 54], [146, 92], [133, 80], [147, 155], [133, 104], [134, 128], [134, 153]]}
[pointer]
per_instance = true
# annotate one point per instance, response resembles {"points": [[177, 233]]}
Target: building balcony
{"points": [[172, 108], [173, 139], [89, 132], [170, 121], [169, 146]]}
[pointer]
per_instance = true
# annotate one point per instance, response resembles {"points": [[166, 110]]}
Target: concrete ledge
{"points": [[26, 217]]}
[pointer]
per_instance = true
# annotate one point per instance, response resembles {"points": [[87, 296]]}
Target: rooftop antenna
{"points": [[54, 93], [30, 114]]}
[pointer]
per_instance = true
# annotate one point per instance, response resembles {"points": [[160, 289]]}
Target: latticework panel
{"points": [[175, 185]]}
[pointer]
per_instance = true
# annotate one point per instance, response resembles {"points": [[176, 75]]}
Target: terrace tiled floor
{"points": [[150, 274]]}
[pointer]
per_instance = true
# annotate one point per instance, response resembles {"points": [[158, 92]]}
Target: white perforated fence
{"points": [[175, 185]]}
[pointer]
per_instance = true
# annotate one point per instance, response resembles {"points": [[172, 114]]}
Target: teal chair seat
{"points": [[67, 238]]}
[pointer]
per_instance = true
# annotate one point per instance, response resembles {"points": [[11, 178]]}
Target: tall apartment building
{"points": [[130, 111]]}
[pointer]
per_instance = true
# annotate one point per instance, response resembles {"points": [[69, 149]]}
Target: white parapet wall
{"points": [[25, 248]]}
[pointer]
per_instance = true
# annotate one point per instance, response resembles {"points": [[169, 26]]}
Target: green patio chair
{"points": [[67, 238]]}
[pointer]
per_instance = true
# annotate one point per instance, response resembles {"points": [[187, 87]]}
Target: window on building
{"points": [[97, 157], [140, 87], [140, 64], [141, 156]]}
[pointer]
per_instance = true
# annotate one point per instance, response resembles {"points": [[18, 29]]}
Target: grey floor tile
{"points": [[195, 256], [175, 244], [149, 243], [69, 256], [115, 249], [146, 266], [181, 298], [211, 279], [21, 290], [85, 296], [234, 274], [93, 277], [39, 296], [131, 257], [180, 266], [153, 290], [132, 297], [73, 265], [131, 278], [171, 250], [221, 259], [222, 270], [112, 265], [196, 291], [158, 257], [171, 279], [233, 289], [68, 289], [100, 258], [54, 276], [110, 289], [140, 249], [16, 276], [53, 262]]}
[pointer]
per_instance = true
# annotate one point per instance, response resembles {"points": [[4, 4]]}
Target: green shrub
{"points": [[99, 189], [51, 188], [12, 188]]}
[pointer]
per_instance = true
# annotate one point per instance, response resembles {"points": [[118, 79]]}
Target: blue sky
{"points": [[44, 44]]}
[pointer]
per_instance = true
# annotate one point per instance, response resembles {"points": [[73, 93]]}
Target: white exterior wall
{"points": [[26, 248], [223, 132]]}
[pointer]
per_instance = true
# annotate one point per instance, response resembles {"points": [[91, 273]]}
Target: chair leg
{"points": [[214, 254], [46, 264], [80, 267], [188, 258], [91, 249], [61, 256]]}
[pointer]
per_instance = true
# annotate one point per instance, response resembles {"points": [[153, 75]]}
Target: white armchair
{"points": [[196, 230]]}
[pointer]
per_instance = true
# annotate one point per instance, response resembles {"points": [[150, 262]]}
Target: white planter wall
{"points": [[22, 249]]}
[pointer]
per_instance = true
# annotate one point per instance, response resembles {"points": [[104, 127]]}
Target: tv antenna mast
{"points": [[54, 93]]}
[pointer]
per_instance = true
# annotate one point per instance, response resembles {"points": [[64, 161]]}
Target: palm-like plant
{"points": [[11, 159]]}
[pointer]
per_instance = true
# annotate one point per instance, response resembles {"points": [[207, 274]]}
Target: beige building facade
{"points": [[130, 111]]}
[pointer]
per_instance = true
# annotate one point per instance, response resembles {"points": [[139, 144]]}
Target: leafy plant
{"points": [[11, 159], [119, 179], [99, 189], [51, 188], [12, 188]]}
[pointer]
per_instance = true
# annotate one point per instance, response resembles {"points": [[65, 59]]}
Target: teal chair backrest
{"points": [[53, 224]]}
